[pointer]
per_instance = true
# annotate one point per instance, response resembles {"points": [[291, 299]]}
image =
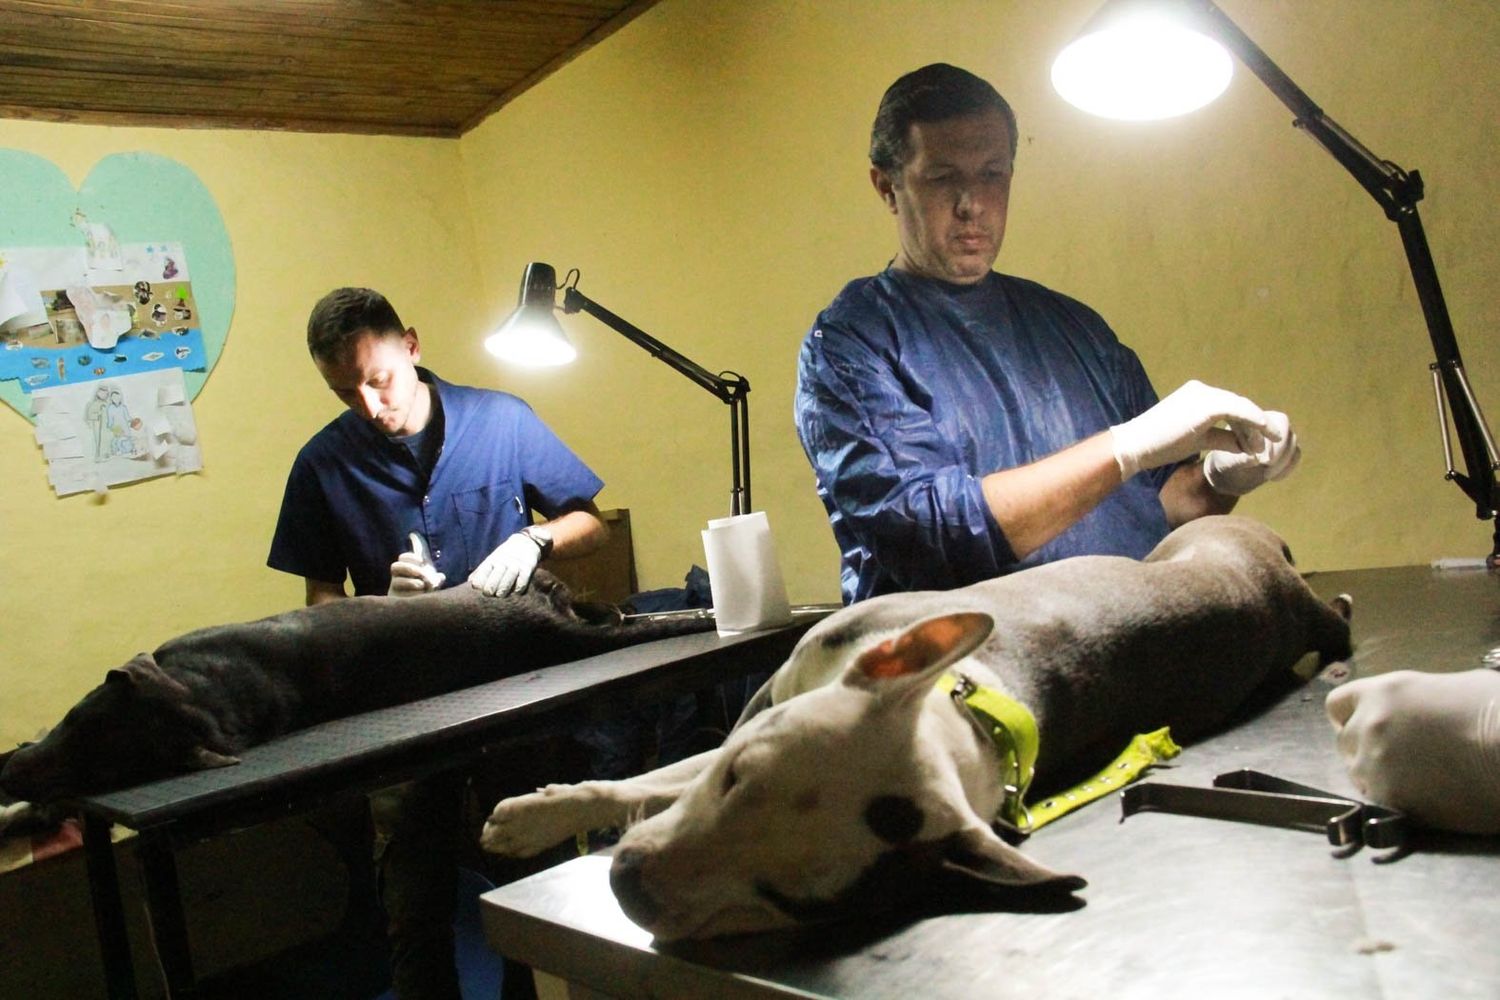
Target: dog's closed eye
{"points": [[731, 778]]}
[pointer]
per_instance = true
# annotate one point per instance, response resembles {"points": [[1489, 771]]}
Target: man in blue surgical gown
{"points": [[964, 423]]}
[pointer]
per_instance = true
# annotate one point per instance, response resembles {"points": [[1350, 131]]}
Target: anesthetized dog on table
{"points": [[201, 699], [855, 778]]}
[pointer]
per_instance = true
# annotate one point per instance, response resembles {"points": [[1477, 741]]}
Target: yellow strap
{"points": [[1145, 750], [1013, 729]]}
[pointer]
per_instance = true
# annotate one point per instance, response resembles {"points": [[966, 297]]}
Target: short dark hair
{"points": [[343, 314], [933, 93]]}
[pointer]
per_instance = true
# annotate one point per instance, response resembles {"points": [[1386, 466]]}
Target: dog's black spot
{"points": [[895, 819]]}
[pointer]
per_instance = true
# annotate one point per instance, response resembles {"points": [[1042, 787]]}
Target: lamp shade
{"points": [[1140, 60], [531, 335]]}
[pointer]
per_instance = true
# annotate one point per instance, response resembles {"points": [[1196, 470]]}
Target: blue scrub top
{"points": [[910, 390], [354, 494]]}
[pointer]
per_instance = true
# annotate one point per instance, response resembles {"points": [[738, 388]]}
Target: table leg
{"points": [[109, 913], [164, 905]]}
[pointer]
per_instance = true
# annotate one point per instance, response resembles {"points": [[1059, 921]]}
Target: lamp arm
{"points": [[1397, 192], [732, 389], [1387, 183], [724, 388]]}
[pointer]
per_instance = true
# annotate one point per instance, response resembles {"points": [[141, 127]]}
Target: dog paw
{"points": [[526, 825]]}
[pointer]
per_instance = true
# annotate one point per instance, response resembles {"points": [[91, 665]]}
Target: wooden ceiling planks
{"points": [[395, 67]]}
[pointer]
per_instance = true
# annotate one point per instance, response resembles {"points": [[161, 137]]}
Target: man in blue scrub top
{"points": [[963, 423], [462, 467], [465, 469]]}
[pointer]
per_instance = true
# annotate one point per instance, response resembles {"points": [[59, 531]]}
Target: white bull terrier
{"points": [[862, 779]]}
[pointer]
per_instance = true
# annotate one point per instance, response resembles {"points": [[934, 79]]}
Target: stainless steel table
{"points": [[305, 769], [1176, 906]]}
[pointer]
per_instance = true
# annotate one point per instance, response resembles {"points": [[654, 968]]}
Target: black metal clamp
{"points": [[1254, 797]]}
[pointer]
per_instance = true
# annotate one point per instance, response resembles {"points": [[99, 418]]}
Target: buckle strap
{"points": [[1144, 751]]}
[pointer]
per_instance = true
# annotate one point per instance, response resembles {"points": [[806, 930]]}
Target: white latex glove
{"points": [[1235, 473], [413, 572], [1427, 744], [1186, 423], [508, 568]]}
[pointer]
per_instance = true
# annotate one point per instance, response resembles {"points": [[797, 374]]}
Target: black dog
{"points": [[205, 696]]}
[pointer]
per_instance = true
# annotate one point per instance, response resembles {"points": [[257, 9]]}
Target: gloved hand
{"points": [[1427, 744], [1184, 424], [508, 568], [1235, 473], [413, 572]]}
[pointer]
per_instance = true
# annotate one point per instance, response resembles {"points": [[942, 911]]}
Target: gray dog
{"points": [[205, 696], [863, 781]]}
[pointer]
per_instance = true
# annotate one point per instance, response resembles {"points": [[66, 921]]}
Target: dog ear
{"points": [[976, 853], [922, 651], [148, 677]]}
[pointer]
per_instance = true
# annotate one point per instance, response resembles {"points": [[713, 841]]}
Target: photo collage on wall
{"points": [[98, 337]]}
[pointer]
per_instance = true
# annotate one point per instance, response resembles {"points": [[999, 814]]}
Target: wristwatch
{"points": [[542, 537]]}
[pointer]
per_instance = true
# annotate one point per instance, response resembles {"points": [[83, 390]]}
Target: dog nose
{"points": [[627, 880]]}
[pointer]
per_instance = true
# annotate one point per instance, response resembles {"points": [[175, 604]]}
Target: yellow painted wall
{"points": [[705, 168], [89, 582]]}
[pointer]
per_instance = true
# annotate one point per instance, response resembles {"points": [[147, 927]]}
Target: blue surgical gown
{"points": [[910, 390], [353, 494]]}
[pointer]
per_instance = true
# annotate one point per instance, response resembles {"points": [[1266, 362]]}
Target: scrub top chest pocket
{"points": [[487, 516]]}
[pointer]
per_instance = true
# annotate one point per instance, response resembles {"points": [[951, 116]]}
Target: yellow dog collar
{"points": [[1012, 728]]}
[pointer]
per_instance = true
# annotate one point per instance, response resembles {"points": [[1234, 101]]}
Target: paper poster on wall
{"points": [[95, 270], [73, 314], [106, 336], [109, 431]]}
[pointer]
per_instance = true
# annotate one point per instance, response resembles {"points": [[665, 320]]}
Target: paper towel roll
{"points": [[744, 574]]}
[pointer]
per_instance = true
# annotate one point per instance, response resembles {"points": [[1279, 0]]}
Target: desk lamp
{"points": [[532, 336], [1147, 59]]}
